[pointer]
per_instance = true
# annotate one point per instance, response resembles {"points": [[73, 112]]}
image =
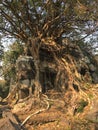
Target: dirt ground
{"points": [[51, 112]]}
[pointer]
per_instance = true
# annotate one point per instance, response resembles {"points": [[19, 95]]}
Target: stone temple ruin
{"points": [[59, 68], [26, 72]]}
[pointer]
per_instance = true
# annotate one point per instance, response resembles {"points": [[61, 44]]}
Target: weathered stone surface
{"points": [[95, 77], [25, 68], [6, 124], [9, 122], [92, 68], [25, 74], [26, 82]]}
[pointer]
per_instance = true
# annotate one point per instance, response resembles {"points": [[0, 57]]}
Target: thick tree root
{"points": [[37, 112]]}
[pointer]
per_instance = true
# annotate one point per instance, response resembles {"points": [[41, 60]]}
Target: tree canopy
{"points": [[48, 18], [9, 60]]}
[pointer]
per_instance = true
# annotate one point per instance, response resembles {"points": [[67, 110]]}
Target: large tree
{"points": [[36, 22]]}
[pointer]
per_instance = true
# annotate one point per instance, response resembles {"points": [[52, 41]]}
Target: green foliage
{"points": [[90, 96], [3, 89], [9, 60], [82, 104], [46, 18]]}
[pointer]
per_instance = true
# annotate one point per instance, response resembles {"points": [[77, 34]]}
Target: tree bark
{"points": [[33, 45], [38, 88]]}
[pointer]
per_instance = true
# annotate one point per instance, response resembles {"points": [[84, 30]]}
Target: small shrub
{"points": [[3, 89], [82, 105], [90, 96]]}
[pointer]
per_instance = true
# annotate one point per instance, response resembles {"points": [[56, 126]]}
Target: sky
{"points": [[6, 42]]}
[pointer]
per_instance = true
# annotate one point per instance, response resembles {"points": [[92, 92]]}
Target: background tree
{"points": [[9, 61], [1, 49]]}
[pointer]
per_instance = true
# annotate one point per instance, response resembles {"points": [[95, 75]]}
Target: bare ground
{"points": [[56, 111]]}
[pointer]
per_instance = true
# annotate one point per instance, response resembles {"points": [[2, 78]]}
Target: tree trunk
{"points": [[38, 88], [33, 45]]}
